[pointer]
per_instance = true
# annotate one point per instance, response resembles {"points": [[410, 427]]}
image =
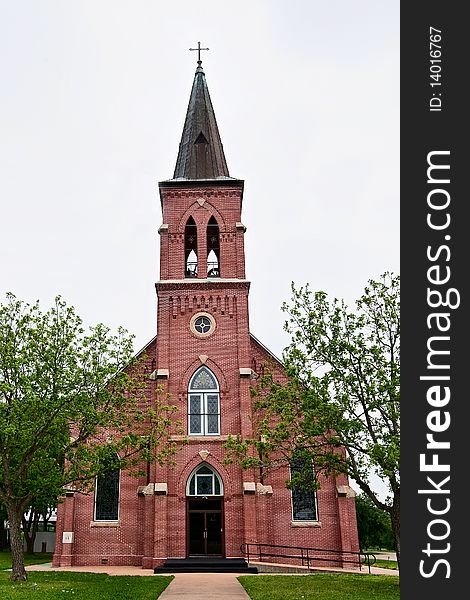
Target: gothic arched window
{"points": [[304, 500], [107, 495], [203, 403], [213, 248], [190, 249], [204, 481]]}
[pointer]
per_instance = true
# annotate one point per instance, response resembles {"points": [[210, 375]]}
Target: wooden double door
{"points": [[205, 527]]}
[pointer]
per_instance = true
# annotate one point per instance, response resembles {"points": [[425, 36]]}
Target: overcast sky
{"points": [[93, 99]]}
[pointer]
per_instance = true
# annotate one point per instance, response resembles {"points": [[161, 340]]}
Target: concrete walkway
{"points": [[205, 586], [185, 586], [97, 569], [264, 570], [190, 586]]}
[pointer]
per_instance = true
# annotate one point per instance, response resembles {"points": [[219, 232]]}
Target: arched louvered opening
{"points": [[190, 249], [202, 158], [213, 248]]}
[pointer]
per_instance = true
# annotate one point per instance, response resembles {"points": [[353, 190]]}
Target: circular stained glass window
{"points": [[202, 324]]}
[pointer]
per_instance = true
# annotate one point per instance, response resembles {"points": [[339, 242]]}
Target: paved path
{"points": [[149, 572], [205, 586], [385, 555], [185, 586], [97, 569]]}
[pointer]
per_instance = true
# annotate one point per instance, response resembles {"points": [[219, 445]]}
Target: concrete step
{"points": [[205, 565]]}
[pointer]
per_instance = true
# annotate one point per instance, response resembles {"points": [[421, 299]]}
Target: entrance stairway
{"points": [[205, 565]]}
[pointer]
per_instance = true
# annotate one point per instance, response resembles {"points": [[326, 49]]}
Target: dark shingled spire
{"points": [[201, 155]]}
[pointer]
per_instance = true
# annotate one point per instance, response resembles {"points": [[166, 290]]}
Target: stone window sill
{"points": [[199, 438], [305, 524], [105, 523]]}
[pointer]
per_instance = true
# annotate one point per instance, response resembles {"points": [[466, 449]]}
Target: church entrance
{"points": [[205, 527]]}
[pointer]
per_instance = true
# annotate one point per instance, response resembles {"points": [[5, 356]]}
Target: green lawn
{"points": [[29, 559], [82, 586], [386, 564], [321, 586]]}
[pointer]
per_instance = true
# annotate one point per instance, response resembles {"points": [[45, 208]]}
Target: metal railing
{"points": [[307, 556]]}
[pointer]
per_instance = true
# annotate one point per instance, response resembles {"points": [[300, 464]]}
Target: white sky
{"points": [[92, 104]]}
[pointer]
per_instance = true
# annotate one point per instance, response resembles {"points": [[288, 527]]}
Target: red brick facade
{"points": [[152, 524]]}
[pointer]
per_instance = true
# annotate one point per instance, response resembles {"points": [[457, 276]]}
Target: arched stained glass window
{"points": [[304, 500], [204, 481], [203, 403], [203, 379], [107, 496]]}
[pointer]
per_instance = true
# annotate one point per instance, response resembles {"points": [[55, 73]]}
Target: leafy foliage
{"points": [[341, 402], [41, 510], [71, 401], [373, 525]]}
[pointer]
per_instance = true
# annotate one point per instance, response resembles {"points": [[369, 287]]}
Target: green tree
{"points": [[31, 519], [341, 404], [373, 525], [69, 400]]}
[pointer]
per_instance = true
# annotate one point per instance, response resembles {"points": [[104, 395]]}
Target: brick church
{"points": [[207, 359]]}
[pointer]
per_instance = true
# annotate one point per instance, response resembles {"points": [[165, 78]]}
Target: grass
{"points": [[386, 564], [82, 586], [381, 562], [321, 586], [29, 559]]}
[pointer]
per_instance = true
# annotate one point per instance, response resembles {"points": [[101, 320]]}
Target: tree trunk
{"points": [[3, 533], [45, 522], [14, 519], [395, 518], [30, 538], [30, 529]]}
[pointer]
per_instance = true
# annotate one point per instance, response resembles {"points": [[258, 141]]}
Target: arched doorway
{"points": [[204, 513]]}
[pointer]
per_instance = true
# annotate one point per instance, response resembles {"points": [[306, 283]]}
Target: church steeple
{"points": [[201, 155], [202, 236]]}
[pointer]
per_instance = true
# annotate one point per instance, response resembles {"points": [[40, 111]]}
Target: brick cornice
{"points": [[202, 284], [201, 184], [174, 188]]}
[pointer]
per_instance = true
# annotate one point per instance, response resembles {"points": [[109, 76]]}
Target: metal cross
{"points": [[199, 52]]}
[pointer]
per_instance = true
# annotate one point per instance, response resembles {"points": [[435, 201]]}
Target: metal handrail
{"points": [[304, 554]]}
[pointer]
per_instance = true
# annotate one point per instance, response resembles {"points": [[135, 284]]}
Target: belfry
{"points": [[205, 357]]}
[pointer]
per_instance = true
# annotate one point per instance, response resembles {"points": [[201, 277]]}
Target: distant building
{"points": [[207, 359]]}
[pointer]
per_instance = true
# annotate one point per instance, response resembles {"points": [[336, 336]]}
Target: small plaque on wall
{"points": [[67, 537]]}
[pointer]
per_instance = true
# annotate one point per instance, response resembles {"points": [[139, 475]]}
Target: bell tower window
{"points": [[213, 248], [190, 249]]}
